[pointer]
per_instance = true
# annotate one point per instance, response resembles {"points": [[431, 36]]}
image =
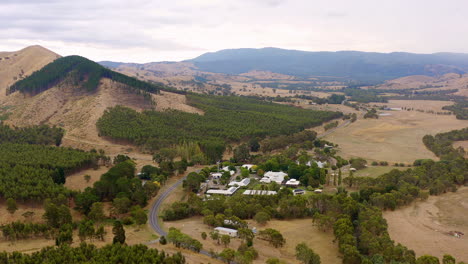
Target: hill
{"points": [[17, 65], [356, 65]]}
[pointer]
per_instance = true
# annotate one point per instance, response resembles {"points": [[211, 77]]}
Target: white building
{"points": [[228, 192], [247, 166], [321, 164], [226, 231], [216, 175], [270, 176], [293, 182], [242, 183], [259, 192], [318, 191]]}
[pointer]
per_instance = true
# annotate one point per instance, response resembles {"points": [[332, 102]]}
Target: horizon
{"points": [[187, 59], [142, 31]]}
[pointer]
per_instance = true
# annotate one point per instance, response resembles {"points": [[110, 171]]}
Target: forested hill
{"points": [[364, 66], [81, 72]]}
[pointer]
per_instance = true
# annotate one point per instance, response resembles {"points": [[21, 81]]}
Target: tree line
{"points": [[88, 253], [42, 135]]}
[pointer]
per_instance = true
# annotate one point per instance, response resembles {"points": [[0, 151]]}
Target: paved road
{"points": [[154, 212]]}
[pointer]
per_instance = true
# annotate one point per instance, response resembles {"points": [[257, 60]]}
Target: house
{"points": [[321, 164], [226, 231], [242, 183], [293, 183], [277, 177], [352, 169], [227, 192], [328, 146], [298, 192], [248, 166], [216, 175], [259, 192], [318, 191]]}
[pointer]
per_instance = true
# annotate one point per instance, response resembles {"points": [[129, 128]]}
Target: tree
{"points": [[225, 239], [100, 233], [273, 236], [121, 205], [227, 255], [262, 217], [254, 145], [139, 215], [11, 205], [306, 254], [447, 259], [427, 259], [119, 233], [162, 240], [242, 153], [65, 235], [96, 212], [204, 235], [215, 235], [56, 215], [87, 178], [275, 261]]}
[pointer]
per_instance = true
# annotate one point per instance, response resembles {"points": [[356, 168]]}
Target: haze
{"points": [[143, 31]]}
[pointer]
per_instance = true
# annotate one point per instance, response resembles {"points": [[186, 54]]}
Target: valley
{"points": [[354, 151]]}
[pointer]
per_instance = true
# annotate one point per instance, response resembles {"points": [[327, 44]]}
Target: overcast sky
{"points": [[144, 31]]}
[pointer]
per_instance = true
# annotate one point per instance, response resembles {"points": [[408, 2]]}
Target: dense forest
{"points": [[42, 135], [442, 143], [225, 119], [30, 169], [83, 72], [87, 253]]}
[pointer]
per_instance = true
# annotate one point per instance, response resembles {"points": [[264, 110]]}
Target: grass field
{"points": [[375, 171], [294, 231], [429, 222], [394, 138]]}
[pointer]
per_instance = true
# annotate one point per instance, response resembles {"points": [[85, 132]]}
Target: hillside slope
{"points": [[73, 93], [19, 64]]}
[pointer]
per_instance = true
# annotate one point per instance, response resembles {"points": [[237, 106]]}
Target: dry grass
{"points": [[294, 231], [428, 223], [425, 105], [395, 138], [77, 181]]}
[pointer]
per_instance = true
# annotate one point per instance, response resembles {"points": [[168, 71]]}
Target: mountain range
{"points": [[348, 65]]}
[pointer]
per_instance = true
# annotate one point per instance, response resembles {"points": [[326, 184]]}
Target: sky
{"points": [[157, 30]]}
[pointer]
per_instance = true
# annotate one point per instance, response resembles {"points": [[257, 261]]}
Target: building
{"points": [[226, 168], [318, 191], [270, 176], [293, 183], [248, 166], [226, 231], [259, 192], [298, 192], [352, 169], [216, 175], [242, 183], [227, 192], [321, 164]]}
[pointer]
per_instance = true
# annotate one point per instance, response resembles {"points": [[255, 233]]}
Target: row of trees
{"points": [[87, 253]]}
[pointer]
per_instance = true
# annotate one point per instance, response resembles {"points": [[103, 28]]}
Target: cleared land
{"points": [[393, 138], [375, 171], [294, 231], [429, 224]]}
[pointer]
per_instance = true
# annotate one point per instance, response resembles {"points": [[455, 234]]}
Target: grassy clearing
{"points": [[394, 138], [294, 231], [429, 222], [375, 171]]}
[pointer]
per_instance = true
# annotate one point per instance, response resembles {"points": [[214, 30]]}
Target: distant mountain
{"points": [[356, 65]]}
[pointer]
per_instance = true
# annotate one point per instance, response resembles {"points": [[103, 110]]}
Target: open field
{"points": [[134, 235], [429, 222], [375, 171], [426, 105], [77, 182], [393, 138], [294, 231]]}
